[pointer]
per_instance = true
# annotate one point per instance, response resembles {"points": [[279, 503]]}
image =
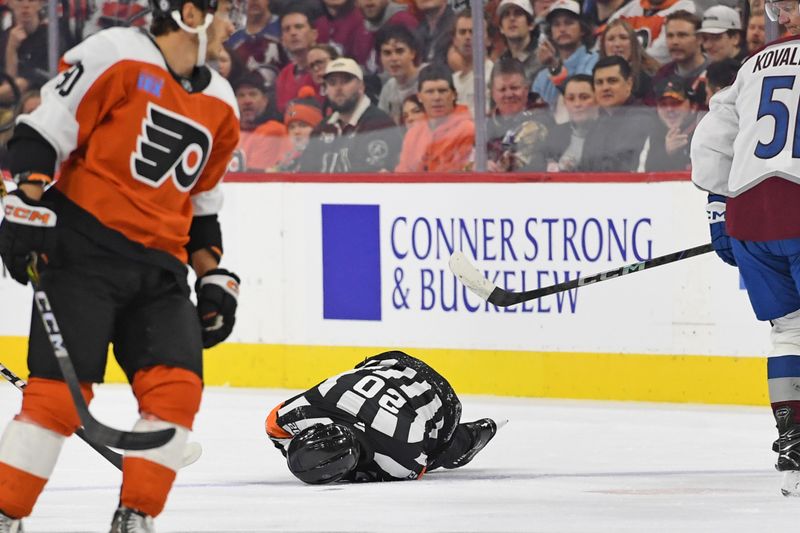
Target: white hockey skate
{"points": [[10, 525], [131, 521], [791, 484], [788, 448]]}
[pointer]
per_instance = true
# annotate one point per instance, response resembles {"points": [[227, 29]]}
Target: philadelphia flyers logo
{"points": [[170, 146]]}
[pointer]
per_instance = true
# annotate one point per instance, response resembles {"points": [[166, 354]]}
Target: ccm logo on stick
{"points": [[50, 324]]}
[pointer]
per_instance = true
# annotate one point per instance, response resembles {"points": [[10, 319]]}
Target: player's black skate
{"points": [[10, 525], [482, 431], [788, 448], [131, 521]]}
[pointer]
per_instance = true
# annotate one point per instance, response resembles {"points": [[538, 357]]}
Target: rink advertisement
{"points": [[366, 264], [338, 269]]}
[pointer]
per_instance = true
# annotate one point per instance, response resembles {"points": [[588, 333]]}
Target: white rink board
{"points": [[273, 238]]}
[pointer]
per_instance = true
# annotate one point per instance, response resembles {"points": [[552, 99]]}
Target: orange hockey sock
{"points": [[168, 398]]}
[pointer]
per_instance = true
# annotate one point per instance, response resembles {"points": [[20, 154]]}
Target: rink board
{"points": [[334, 271], [654, 378]]}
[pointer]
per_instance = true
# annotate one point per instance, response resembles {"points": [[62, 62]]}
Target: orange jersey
{"points": [[448, 147], [136, 149], [264, 147]]}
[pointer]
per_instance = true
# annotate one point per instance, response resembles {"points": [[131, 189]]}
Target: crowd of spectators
{"points": [[388, 85]]}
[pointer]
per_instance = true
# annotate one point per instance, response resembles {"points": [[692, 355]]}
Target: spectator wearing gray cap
{"points": [[722, 34], [564, 52], [358, 136], [520, 31]]}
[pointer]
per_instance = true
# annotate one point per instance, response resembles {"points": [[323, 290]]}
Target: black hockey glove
{"points": [[28, 226], [217, 295]]}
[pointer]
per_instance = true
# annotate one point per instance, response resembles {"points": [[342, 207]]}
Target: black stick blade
{"points": [[127, 440]]}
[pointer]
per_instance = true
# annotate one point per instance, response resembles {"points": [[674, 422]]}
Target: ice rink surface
{"points": [[558, 466]]}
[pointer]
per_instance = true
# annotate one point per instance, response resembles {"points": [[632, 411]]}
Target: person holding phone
{"points": [[23, 48], [673, 127]]}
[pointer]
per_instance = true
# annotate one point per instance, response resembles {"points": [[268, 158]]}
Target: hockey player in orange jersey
{"points": [[141, 132]]}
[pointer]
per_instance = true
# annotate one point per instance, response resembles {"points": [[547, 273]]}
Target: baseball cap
{"points": [[570, 6], [345, 65], [673, 87], [524, 5], [251, 79], [719, 19]]}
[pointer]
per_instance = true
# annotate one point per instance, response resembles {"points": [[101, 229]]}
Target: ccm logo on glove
{"points": [[716, 223], [19, 212], [217, 298], [28, 226], [716, 212]]}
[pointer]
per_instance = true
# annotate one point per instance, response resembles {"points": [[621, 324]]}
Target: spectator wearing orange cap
{"points": [[672, 134], [262, 141], [445, 142], [302, 115]]}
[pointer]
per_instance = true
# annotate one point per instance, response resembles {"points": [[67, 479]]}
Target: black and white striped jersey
{"points": [[402, 410]]}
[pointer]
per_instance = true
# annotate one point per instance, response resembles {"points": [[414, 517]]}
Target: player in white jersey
{"points": [[746, 154], [390, 418]]}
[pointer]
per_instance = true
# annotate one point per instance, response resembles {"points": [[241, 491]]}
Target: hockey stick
{"points": [[191, 453], [488, 291], [94, 430], [113, 457]]}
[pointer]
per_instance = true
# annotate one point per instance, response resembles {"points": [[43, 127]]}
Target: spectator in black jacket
{"points": [[23, 48], [674, 126], [357, 137], [616, 141], [569, 139], [719, 75]]}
